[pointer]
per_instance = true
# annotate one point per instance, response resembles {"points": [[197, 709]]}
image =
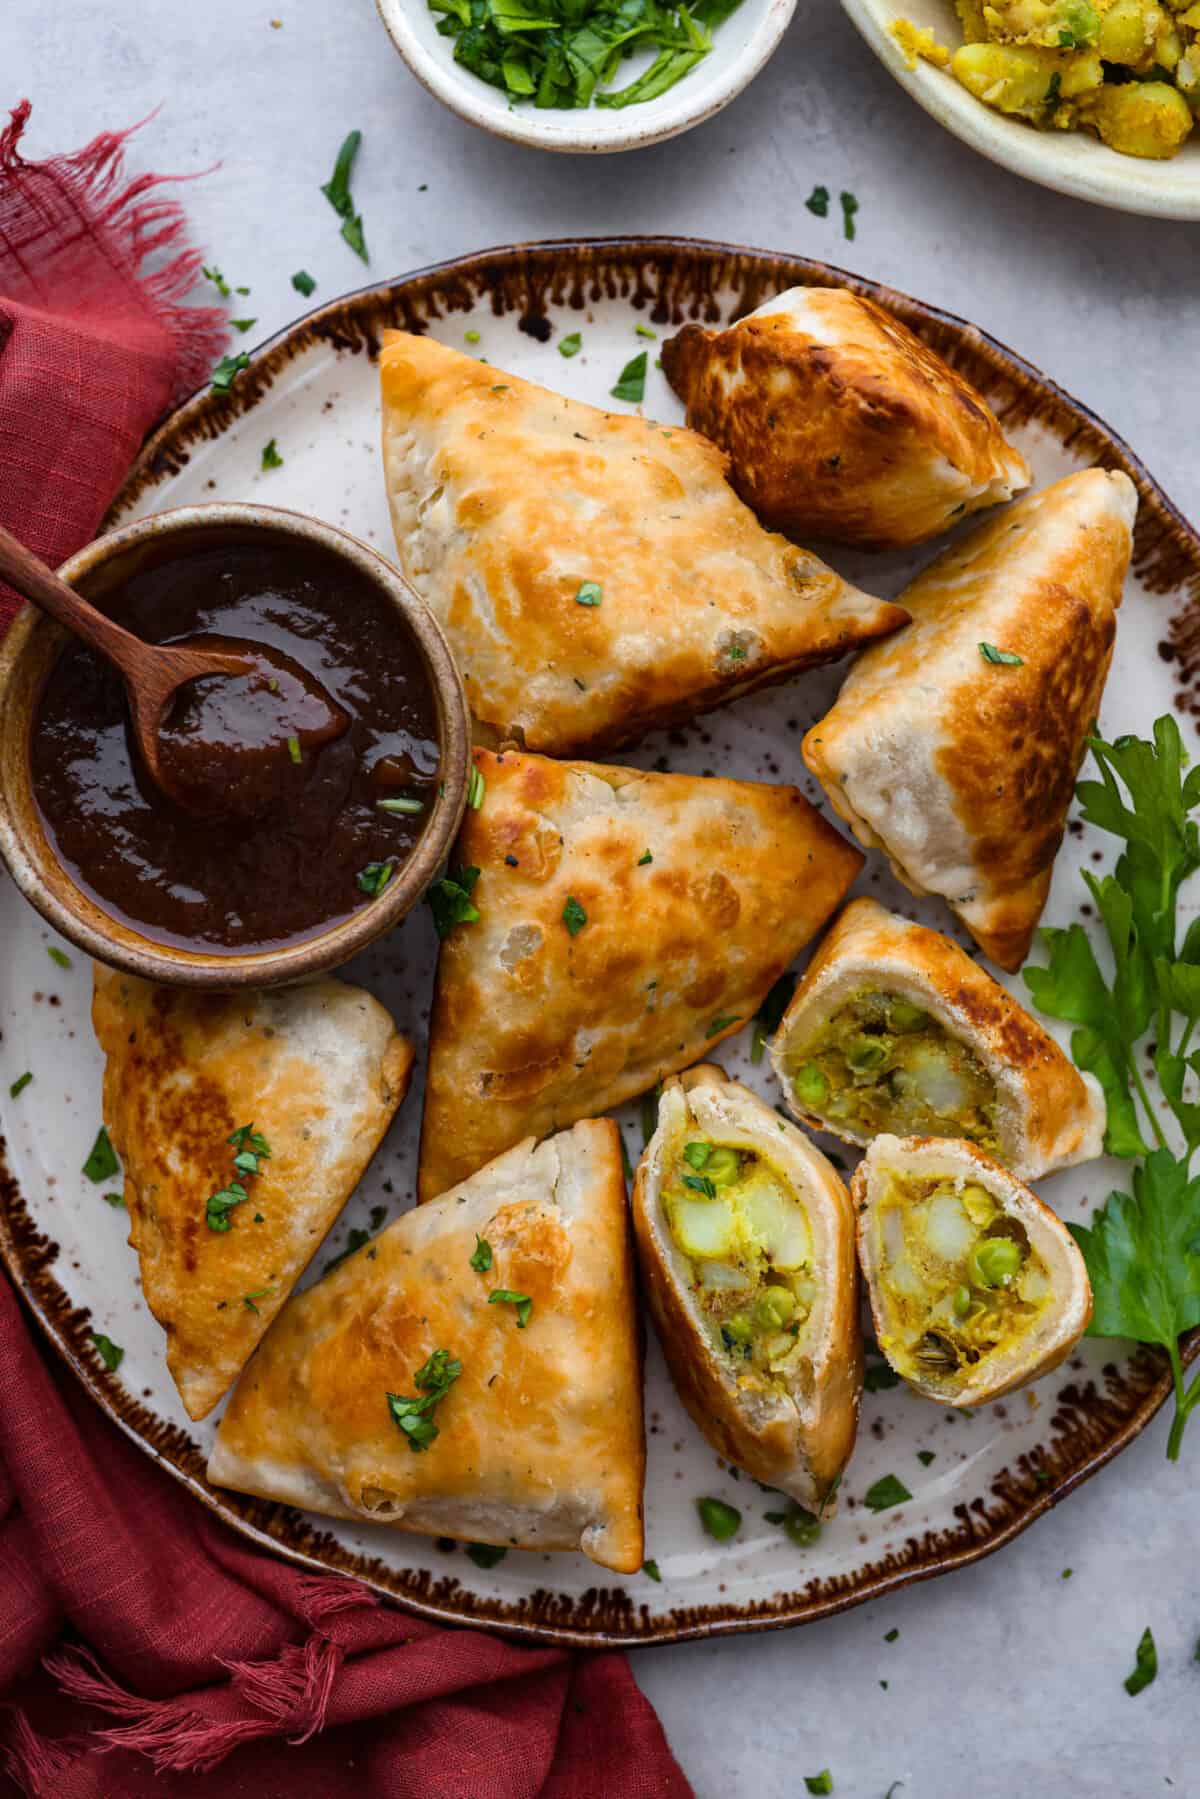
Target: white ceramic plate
{"points": [[741, 46], [975, 1480], [1072, 162]]}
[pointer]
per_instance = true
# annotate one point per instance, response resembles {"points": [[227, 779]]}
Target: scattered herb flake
{"points": [[590, 594], [650, 1567], [570, 346], [644, 331], [504, 1296], [819, 1783], [270, 456], [248, 1299], [1007, 658], [573, 916], [218, 280], [295, 752], [220, 1204], [818, 202], [721, 1521], [889, 1636], [886, 1492], [433, 1381], [849, 208], [1145, 1665], [631, 383], [337, 191], [926, 1457], [450, 901], [102, 1163], [402, 805], [303, 282], [242, 324], [644, 859], [58, 955], [226, 369], [113, 1199], [485, 1555], [481, 1259], [721, 1023], [19, 1085], [375, 876], [110, 1353], [476, 789]]}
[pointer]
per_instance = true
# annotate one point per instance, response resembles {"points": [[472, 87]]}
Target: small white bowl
{"points": [[1072, 162], [741, 46]]}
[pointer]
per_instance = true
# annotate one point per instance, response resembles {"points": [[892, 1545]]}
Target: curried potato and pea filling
{"points": [[749, 1245], [957, 1277], [881, 1064]]}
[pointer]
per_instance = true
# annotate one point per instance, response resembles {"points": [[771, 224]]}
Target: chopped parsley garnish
{"points": [[644, 331], [58, 955], [113, 1199], [248, 1299], [400, 805], [270, 456], [433, 1381], [925, 1456], [644, 858], [218, 280], [481, 1259], [566, 53], [650, 1567], [337, 191], [769, 1014], [697, 1154], [721, 1521], [504, 1296], [242, 324], [1145, 1665], [220, 1204], [890, 1636], [295, 752], [226, 369], [570, 346], [700, 1183], [721, 1023], [450, 901], [485, 1555], [573, 916], [589, 593], [19, 1085], [1054, 91], [476, 789], [849, 208], [375, 876], [990, 653], [886, 1492], [818, 202], [631, 383], [800, 1527], [110, 1353], [102, 1163], [303, 282], [819, 1783]]}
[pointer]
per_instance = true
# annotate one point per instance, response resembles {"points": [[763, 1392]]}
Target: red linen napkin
{"points": [[145, 1649]]}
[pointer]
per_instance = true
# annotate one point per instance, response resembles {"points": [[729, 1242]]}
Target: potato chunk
{"points": [[1141, 118]]}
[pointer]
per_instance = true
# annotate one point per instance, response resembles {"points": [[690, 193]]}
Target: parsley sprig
{"points": [[250, 1148], [433, 1380], [1143, 1248]]}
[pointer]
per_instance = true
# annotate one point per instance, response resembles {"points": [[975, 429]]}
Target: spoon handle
{"points": [[24, 571]]}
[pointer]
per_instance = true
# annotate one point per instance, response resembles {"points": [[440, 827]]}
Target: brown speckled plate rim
{"points": [[673, 279]]}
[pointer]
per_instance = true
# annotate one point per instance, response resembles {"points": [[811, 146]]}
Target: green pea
{"points": [[801, 1527], [864, 1053], [723, 1166], [810, 1086], [994, 1261], [904, 1017], [719, 1520], [696, 1155], [740, 1327], [775, 1307], [962, 1301]]}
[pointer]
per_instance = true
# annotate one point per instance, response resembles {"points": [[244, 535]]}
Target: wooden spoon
{"points": [[154, 673]]}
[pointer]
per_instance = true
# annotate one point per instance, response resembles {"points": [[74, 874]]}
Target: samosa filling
{"points": [[749, 1248], [882, 1064], [958, 1279]]}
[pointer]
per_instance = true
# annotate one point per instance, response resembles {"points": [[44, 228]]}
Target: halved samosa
{"points": [[746, 1242], [894, 1028], [955, 748], [840, 423], [244, 1122], [976, 1287], [626, 923], [475, 1372], [594, 572]]}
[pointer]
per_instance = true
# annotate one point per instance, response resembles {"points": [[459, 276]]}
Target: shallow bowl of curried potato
{"points": [[1063, 73]]}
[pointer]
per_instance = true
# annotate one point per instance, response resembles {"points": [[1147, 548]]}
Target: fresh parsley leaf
{"points": [[819, 1783], [113, 1199], [110, 1353], [644, 331], [485, 1555], [242, 324], [697, 1154], [248, 1299], [375, 876], [570, 346], [849, 208], [303, 282], [590, 594], [504, 1296], [770, 1013], [218, 280], [990, 653], [573, 916], [220, 1204], [481, 1259], [925, 1457], [102, 1162], [450, 901], [631, 382], [337, 191], [19, 1085], [721, 1521], [433, 1381], [800, 1527], [644, 859], [721, 1023], [818, 202], [58, 955], [225, 371], [890, 1636], [1145, 1665], [246, 1134], [886, 1492], [650, 1567], [270, 456], [476, 789], [700, 1183]]}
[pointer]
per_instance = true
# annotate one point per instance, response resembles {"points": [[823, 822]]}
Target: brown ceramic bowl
{"points": [[29, 653]]}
